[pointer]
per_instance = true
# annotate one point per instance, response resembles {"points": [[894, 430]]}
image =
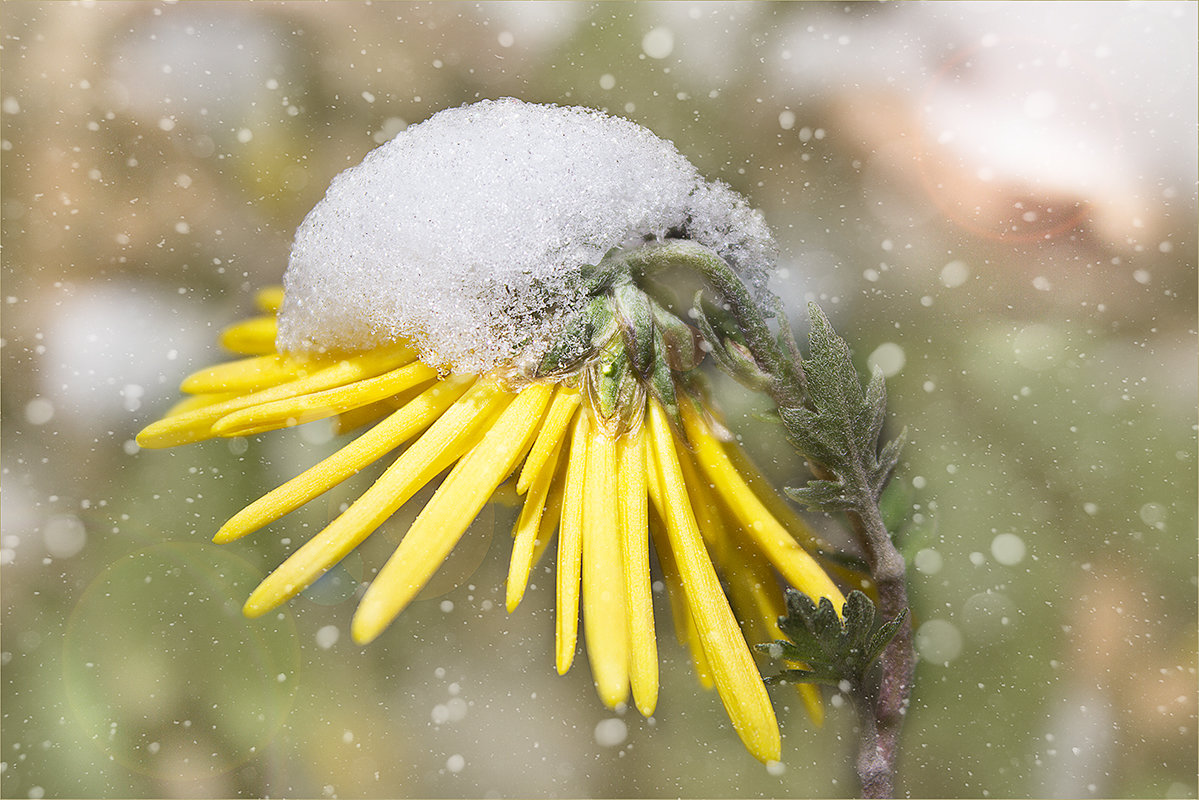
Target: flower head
{"points": [[465, 234], [599, 419]]}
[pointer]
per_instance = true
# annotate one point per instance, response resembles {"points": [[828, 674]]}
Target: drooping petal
{"points": [[680, 614], [570, 546], [366, 449], [791, 560], [436, 449], [449, 513], [639, 603], [269, 300], [553, 431], [189, 404], [321, 405], [249, 374], [756, 597], [734, 671], [194, 426], [553, 512], [529, 525], [253, 337], [604, 621]]}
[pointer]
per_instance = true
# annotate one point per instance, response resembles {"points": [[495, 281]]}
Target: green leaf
{"points": [[826, 648], [838, 431], [819, 495]]}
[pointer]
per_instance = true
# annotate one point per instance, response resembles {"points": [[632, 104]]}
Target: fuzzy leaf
{"points": [[818, 495], [825, 648], [840, 432]]}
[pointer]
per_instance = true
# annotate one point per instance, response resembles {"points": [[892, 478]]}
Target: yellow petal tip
{"points": [[255, 607], [227, 534], [613, 698], [364, 631]]}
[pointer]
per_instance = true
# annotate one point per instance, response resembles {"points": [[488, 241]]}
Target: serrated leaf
{"points": [[829, 647], [826, 496], [839, 432], [883, 636], [804, 431]]}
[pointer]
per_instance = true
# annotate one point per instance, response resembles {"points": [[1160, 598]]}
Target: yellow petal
{"points": [[364, 450], [321, 405], [553, 513], [779, 546], [734, 671], [354, 418], [643, 647], [253, 337], [684, 625], [436, 449], [249, 374], [529, 525], [449, 513], [707, 514], [269, 299], [194, 426], [771, 499], [553, 431], [570, 546], [604, 620], [194, 402], [755, 594]]}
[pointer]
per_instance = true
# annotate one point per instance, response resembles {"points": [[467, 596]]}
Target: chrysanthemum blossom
{"points": [[464, 234], [578, 386]]}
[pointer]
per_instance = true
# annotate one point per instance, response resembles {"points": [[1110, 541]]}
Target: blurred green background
{"points": [[996, 204]]}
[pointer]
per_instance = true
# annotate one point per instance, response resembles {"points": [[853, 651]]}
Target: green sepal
{"points": [[636, 318], [722, 321], [662, 384], [575, 344], [608, 373], [682, 346]]}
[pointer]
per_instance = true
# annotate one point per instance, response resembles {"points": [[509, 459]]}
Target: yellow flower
{"points": [[607, 475]]}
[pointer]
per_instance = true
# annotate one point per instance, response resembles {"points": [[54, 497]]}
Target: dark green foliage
{"points": [[829, 649]]}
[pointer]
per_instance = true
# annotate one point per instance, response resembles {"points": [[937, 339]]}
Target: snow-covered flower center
{"points": [[466, 234]]}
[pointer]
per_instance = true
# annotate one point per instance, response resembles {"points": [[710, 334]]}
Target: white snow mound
{"points": [[465, 234]]}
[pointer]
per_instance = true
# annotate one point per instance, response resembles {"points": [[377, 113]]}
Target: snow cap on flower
{"points": [[466, 233]]}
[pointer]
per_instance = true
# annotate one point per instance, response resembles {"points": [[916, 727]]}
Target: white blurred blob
{"points": [[928, 561], [1015, 125], [39, 411], [611, 732], [327, 636], [64, 535], [888, 357], [88, 380], [938, 641], [954, 274], [658, 42], [1008, 549]]}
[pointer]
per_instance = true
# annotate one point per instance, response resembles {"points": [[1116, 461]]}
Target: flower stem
{"points": [[881, 717], [881, 707]]}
